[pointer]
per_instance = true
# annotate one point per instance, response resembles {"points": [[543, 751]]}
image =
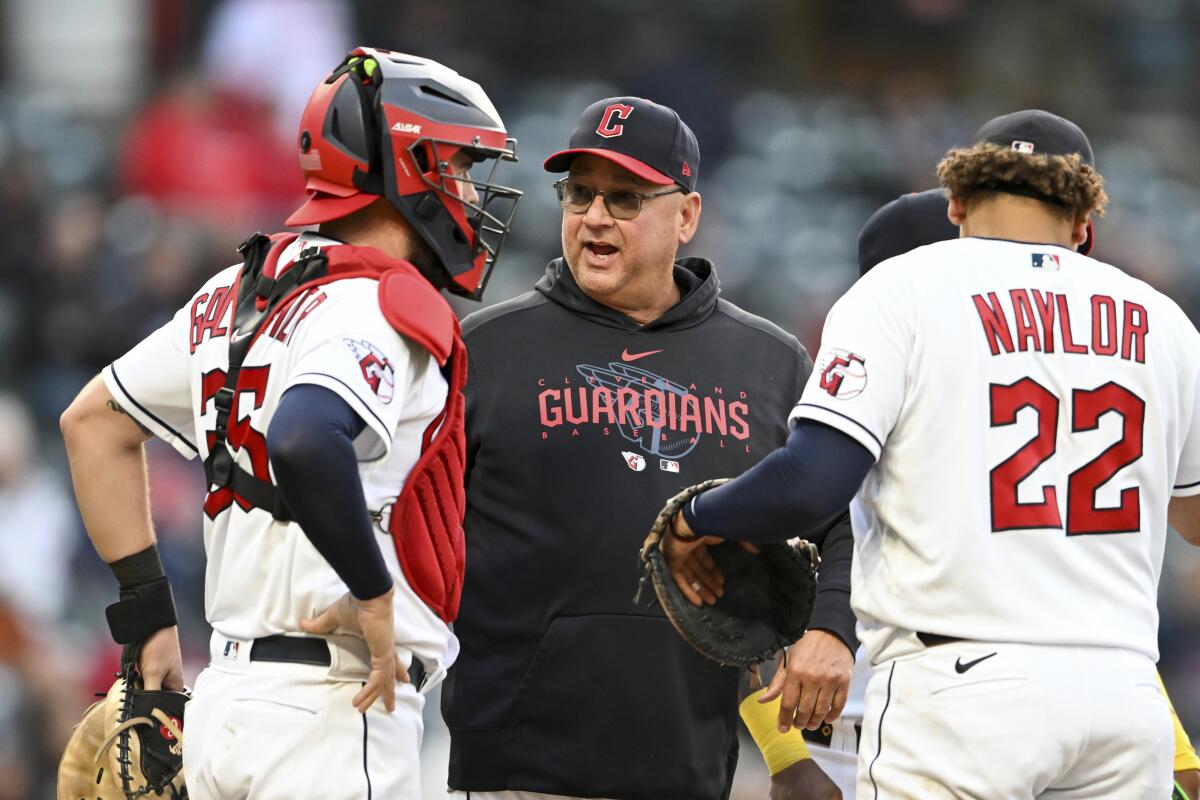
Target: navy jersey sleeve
{"points": [[311, 446], [798, 490], [801, 489]]}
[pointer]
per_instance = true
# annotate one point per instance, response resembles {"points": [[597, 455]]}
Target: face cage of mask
{"points": [[491, 217]]}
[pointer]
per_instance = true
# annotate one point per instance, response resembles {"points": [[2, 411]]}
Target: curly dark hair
{"points": [[1065, 182]]}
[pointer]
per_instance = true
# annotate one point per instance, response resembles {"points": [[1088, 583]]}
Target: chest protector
{"points": [[426, 519]]}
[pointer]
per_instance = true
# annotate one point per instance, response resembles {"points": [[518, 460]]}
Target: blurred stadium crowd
{"points": [[141, 140]]}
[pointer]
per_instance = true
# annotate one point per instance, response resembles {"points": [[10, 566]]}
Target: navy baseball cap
{"points": [[648, 139], [1037, 132], [906, 223]]}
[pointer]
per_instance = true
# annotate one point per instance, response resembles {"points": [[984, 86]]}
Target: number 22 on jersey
{"points": [[1086, 408]]}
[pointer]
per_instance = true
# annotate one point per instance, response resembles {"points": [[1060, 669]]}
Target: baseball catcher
{"points": [[283, 386], [128, 745], [766, 600]]}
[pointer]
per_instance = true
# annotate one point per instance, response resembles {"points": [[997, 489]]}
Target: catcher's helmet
{"points": [[386, 123]]}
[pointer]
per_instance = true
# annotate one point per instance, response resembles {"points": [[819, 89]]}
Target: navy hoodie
{"points": [[580, 424]]}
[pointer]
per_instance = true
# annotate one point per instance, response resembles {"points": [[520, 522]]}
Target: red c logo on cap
{"points": [[606, 128]]}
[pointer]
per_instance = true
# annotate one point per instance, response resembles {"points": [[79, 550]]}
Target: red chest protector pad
{"points": [[426, 520]]}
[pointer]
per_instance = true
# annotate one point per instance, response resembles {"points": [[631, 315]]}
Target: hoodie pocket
{"points": [[623, 706]]}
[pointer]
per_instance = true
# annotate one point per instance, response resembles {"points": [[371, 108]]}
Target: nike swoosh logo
{"points": [[239, 335], [628, 356], [960, 667]]}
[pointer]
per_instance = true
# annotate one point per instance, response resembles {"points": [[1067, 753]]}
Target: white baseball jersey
{"points": [[263, 575], [1031, 411]]}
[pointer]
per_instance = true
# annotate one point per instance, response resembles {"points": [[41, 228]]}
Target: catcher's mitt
{"points": [[768, 597], [129, 745]]}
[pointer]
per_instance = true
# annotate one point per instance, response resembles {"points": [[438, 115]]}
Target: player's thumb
{"points": [[325, 622], [172, 681], [164, 678]]}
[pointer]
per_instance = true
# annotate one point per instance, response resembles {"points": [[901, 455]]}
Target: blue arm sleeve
{"points": [[311, 445], [802, 489], [795, 491]]}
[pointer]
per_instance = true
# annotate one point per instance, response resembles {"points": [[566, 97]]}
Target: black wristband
{"points": [[141, 567], [141, 611], [146, 603]]}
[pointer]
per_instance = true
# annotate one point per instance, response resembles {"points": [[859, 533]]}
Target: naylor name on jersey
{"points": [[1033, 320]]}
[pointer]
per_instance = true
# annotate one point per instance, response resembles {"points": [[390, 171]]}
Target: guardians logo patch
{"points": [[377, 371], [843, 374]]}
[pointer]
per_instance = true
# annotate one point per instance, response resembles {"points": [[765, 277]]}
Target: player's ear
{"points": [[689, 216], [1079, 232], [956, 210]]}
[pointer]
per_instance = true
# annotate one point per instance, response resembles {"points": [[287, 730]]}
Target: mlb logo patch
{"points": [[1045, 261], [231, 649], [1022, 147]]}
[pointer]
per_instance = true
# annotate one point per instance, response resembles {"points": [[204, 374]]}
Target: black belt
{"points": [[933, 639], [824, 735], [291, 650], [311, 650]]}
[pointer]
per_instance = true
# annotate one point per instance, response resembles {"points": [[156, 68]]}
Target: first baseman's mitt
{"points": [[129, 746], [768, 599]]}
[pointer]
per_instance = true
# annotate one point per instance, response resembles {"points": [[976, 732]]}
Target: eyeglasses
{"points": [[577, 198]]}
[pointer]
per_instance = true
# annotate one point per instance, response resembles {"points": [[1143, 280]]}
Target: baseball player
{"points": [[906, 223], [1019, 422], [320, 382]]}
